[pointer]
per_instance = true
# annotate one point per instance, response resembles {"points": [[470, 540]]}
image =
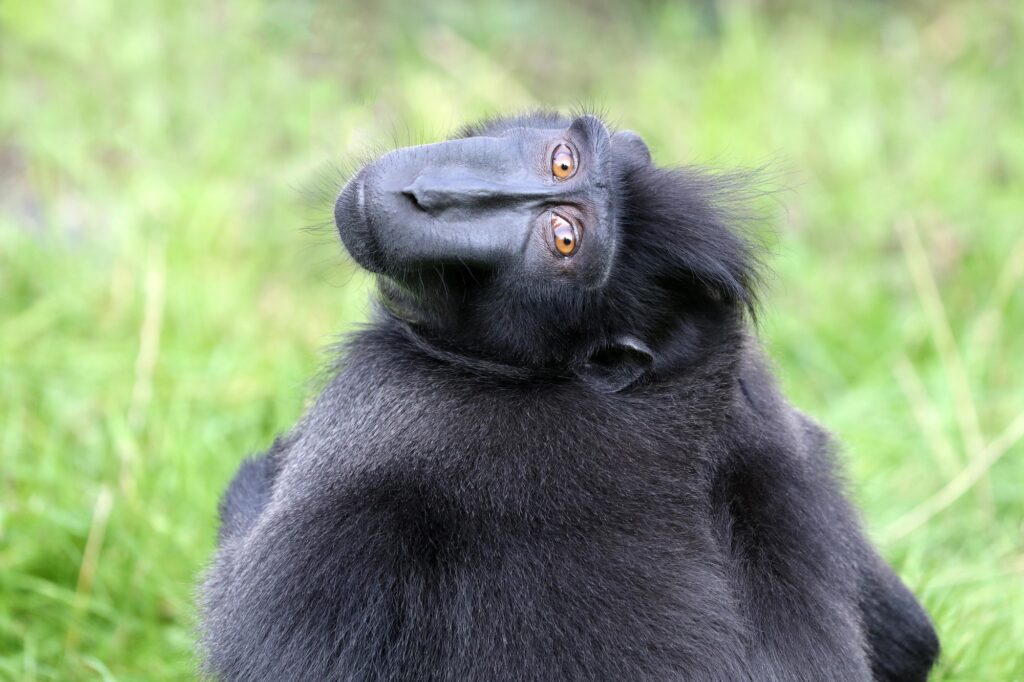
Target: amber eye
{"points": [[566, 239], [562, 162]]}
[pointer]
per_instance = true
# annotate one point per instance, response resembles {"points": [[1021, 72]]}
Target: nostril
{"points": [[410, 194]]}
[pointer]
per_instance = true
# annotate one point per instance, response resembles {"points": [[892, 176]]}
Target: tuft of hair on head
{"points": [[499, 123], [691, 226]]}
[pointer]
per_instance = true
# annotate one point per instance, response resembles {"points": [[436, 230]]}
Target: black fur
{"points": [[461, 503]]}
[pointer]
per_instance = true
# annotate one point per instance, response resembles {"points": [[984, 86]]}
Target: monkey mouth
{"points": [[360, 207], [353, 223]]}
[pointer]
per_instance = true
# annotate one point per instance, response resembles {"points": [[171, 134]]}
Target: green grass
{"points": [[162, 312]]}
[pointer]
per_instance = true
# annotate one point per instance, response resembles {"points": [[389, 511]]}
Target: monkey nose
{"points": [[411, 194], [437, 193]]}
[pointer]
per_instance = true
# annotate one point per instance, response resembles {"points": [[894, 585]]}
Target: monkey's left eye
{"points": [[563, 232], [563, 162]]}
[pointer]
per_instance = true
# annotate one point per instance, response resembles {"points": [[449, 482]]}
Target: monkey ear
{"points": [[630, 151], [617, 366]]}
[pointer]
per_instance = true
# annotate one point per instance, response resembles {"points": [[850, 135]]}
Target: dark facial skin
{"points": [[489, 202]]}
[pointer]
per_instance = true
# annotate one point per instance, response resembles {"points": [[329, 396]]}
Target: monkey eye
{"points": [[563, 163], [564, 234]]}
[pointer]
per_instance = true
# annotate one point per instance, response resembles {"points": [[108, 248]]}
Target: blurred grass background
{"points": [[162, 311]]}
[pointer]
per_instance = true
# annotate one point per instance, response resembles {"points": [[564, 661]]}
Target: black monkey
{"points": [[555, 453]]}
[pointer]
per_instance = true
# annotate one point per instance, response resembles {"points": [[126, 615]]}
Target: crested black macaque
{"points": [[555, 453]]}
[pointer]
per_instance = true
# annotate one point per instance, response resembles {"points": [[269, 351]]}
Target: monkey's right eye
{"points": [[563, 162]]}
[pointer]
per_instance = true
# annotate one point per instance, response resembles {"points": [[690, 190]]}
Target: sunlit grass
{"points": [[163, 311]]}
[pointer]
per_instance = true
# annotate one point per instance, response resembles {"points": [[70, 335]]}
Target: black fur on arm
{"points": [[902, 642], [249, 492], [899, 638]]}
